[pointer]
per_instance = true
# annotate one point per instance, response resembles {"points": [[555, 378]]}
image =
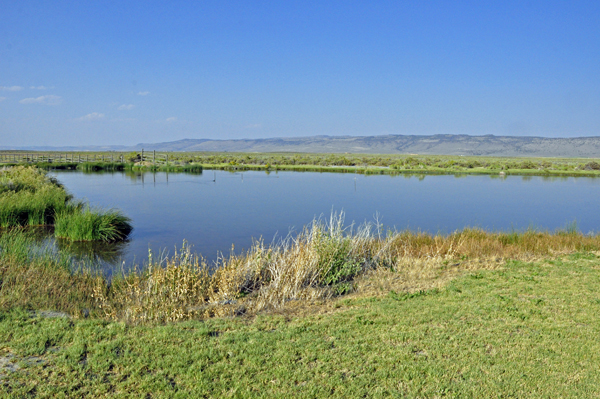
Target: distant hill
{"points": [[446, 144]]}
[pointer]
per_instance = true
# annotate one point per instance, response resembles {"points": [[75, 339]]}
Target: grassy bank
{"points": [[331, 312], [99, 166], [34, 277], [324, 261], [348, 163], [523, 329], [394, 164], [29, 197], [399, 164]]}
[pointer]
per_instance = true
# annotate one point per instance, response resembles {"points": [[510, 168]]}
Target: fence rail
{"points": [[74, 157]]}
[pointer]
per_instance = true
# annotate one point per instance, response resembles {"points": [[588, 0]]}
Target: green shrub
{"points": [[527, 165]]}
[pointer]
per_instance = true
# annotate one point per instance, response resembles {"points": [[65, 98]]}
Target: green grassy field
{"points": [[523, 330]]}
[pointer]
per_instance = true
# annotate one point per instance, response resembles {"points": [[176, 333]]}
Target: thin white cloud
{"points": [[11, 88], [2, 98], [39, 87], [123, 120], [126, 107], [48, 100], [143, 93], [94, 116], [171, 119]]}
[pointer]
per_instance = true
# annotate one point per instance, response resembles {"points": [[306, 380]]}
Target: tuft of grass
{"points": [[92, 224], [171, 167]]}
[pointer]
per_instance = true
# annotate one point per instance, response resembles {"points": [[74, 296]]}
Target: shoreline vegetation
{"points": [[340, 163], [327, 260], [31, 198], [336, 310]]}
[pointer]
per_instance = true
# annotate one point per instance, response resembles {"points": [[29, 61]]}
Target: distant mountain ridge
{"points": [[440, 144]]}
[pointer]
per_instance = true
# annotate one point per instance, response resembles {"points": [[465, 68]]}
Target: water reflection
{"points": [[103, 253], [215, 209], [90, 252]]}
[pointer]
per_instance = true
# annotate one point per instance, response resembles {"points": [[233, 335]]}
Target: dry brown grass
{"points": [[323, 261]]}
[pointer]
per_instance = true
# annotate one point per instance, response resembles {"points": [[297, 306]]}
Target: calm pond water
{"points": [[214, 210]]}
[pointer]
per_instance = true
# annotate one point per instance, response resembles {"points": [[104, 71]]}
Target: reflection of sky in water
{"points": [[213, 215]]}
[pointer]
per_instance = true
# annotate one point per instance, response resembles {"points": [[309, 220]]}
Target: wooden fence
{"points": [[75, 157]]}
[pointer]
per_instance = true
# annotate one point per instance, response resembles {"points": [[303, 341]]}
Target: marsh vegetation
{"points": [[350, 163], [29, 197], [326, 260]]}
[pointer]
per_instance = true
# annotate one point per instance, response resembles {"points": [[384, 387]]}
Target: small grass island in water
{"points": [[29, 197]]}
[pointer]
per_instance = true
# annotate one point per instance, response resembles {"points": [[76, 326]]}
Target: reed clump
{"points": [[82, 223], [324, 260], [103, 166]]}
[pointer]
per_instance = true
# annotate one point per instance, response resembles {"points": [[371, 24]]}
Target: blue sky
{"points": [[116, 72]]}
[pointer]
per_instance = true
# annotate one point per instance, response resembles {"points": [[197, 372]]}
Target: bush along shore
{"points": [[415, 165], [29, 197]]}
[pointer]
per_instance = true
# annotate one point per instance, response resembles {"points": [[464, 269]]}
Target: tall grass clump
{"points": [[79, 223], [316, 264], [29, 197], [176, 289], [102, 166]]}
